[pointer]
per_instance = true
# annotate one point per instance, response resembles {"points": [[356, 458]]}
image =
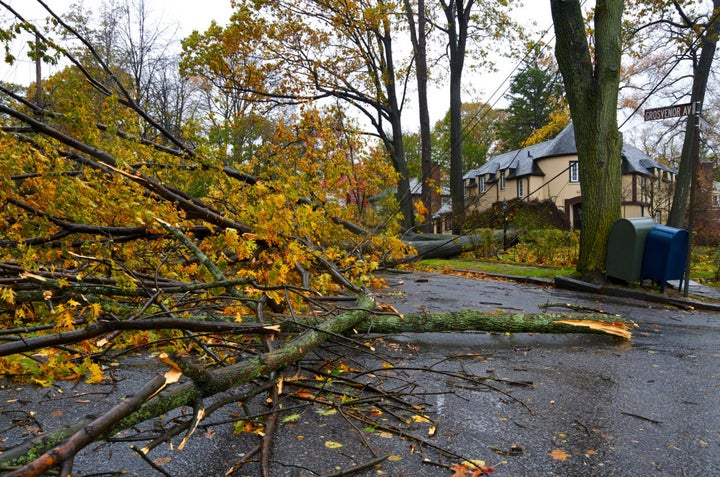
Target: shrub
{"points": [[521, 215], [545, 247]]}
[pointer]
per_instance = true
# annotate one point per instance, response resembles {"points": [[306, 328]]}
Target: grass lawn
{"points": [[498, 268], [705, 265]]}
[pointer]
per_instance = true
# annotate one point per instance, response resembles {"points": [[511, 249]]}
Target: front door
{"points": [[577, 216]]}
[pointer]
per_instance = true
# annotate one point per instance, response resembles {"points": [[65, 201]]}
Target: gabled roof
{"points": [[523, 162], [636, 161]]}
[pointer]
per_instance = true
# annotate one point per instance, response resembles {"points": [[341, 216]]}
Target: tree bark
{"points": [[450, 246], [397, 148], [687, 174], [457, 15], [418, 38], [591, 84], [466, 320]]}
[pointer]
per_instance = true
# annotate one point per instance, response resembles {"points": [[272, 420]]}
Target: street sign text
{"points": [[669, 112]]}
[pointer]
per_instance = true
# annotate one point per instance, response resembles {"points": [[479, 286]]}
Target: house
{"points": [[549, 171], [441, 210]]}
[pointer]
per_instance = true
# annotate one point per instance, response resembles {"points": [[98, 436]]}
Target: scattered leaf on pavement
{"points": [[559, 454]]}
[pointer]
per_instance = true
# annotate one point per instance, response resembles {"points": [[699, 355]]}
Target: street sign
{"points": [[669, 112]]}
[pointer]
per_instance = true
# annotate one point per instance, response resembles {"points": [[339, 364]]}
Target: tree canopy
{"points": [[536, 100]]}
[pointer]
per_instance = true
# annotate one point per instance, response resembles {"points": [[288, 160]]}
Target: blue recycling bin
{"points": [[665, 255]]}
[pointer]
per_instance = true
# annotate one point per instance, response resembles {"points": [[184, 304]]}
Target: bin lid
{"points": [[668, 232]]}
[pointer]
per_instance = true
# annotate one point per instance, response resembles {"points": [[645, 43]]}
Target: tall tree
{"points": [[481, 22], [673, 45], [535, 93], [418, 38], [708, 26], [457, 15], [591, 77], [478, 135], [295, 51]]}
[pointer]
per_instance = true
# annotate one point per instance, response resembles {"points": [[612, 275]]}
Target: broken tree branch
{"points": [[503, 323], [23, 345], [94, 430]]}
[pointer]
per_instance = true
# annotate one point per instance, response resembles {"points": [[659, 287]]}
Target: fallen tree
{"points": [[149, 403], [115, 239]]}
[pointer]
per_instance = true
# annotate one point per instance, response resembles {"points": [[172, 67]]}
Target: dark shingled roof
{"points": [[522, 162]]}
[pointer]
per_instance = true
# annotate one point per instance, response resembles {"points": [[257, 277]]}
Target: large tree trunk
{"points": [[457, 15], [442, 246], [471, 320], [591, 83], [691, 143], [397, 149], [418, 39]]}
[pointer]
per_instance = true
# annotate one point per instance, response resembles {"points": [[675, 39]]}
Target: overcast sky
{"points": [[189, 15]]}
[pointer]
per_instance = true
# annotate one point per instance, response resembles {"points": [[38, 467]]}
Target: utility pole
{"points": [[694, 184]]}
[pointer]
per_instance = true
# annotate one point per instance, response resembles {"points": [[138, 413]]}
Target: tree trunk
{"points": [[591, 85], [418, 39], [448, 246], [691, 143], [457, 15], [397, 149], [483, 321]]}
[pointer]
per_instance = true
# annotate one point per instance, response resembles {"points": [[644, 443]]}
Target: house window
{"points": [[519, 188], [574, 172], [643, 186], [502, 180], [482, 185]]}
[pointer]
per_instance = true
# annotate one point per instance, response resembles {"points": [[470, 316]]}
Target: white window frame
{"points": [[483, 188], [502, 180], [574, 170], [520, 188]]}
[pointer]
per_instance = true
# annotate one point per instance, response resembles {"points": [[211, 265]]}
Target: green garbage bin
{"points": [[626, 246]]}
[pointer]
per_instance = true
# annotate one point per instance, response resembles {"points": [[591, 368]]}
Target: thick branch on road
{"points": [[471, 320], [106, 326]]}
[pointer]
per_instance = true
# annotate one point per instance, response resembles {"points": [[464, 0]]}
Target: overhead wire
{"points": [[482, 113], [653, 90]]}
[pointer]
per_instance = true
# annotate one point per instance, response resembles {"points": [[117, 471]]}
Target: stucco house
{"points": [[549, 170], [441, 212]]}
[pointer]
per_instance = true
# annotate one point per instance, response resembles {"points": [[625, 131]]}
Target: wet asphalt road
{"points": [[648, 407], [553, 405]]}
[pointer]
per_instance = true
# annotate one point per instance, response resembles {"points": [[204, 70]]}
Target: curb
{"points": [[686, 303], [568, 283]]}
